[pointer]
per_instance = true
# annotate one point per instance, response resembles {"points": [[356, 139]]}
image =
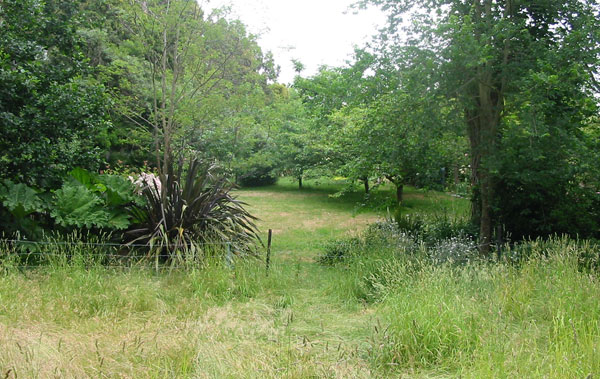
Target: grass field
{"points": [[303, 319], [302, 220]]}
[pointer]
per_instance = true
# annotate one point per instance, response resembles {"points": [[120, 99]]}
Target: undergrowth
{"points": [[444, 310]]}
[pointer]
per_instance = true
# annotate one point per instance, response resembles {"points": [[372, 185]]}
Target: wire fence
{"points": [[29, 254]]}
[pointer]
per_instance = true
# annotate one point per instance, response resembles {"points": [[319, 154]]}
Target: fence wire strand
{"points": [[130, 255]]}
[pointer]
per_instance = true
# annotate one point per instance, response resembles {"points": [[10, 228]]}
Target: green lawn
{"points": [[302, 220]]}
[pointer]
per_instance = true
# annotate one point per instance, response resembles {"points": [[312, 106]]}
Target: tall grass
{"points": [[538, 316], [386, 304]]}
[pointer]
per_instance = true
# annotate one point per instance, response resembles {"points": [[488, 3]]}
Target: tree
{"points": [[196, 66], [296, 139], [488, 53], [378, 122], [53, 112], [329, 98]]}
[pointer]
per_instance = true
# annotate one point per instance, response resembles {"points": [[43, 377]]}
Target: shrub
{"points": [[410, 223], [193, 208], [84, 201], [436, 227], [259, 176], [339, 250], [258, 170]]}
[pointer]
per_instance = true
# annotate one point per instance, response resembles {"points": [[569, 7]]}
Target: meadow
{"points": [[383, 310]]}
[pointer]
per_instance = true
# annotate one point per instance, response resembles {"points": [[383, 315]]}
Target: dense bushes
{"points": [[84, 202], [54, 113], [175, 216], [257, 171]]}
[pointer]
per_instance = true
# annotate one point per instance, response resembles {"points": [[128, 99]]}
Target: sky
{"points": [[314, 32]]}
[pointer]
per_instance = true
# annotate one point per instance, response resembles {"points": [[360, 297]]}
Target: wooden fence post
{"points": [[269, 250]]}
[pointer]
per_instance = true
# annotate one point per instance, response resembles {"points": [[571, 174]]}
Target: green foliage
{"points": [[117, 190], [193, 208], [376, 122], [547, 172], [297, 139], [525, 114], [19, 199], [76, 205], [435, 227], [84, 201], [94, 201], [258, 170], [54, 114], [411, 223], [19, 203]]}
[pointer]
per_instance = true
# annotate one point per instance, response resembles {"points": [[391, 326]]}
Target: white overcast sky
{"points": [[315, 32]]}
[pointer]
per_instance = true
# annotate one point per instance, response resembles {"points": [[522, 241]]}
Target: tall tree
{"points": [[487, 54], [193, 62]]}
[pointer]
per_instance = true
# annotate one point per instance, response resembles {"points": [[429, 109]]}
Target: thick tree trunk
{"points": [[483, 123], [366, 183], [300, 182]]}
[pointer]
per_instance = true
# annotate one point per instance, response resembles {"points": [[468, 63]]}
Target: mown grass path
{"points": [[327, 321], [214, 322], [325, 329]]}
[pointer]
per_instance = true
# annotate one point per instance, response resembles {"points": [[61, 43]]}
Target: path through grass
{"points": [[213, 322]]}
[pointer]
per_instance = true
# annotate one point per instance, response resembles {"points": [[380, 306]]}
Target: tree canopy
{"points": [[523, 75], [507, 90]]}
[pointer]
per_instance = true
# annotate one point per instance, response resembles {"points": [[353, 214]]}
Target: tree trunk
{"points": [[366, 183], [399, 192], [300, 182], [483, 123]]}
